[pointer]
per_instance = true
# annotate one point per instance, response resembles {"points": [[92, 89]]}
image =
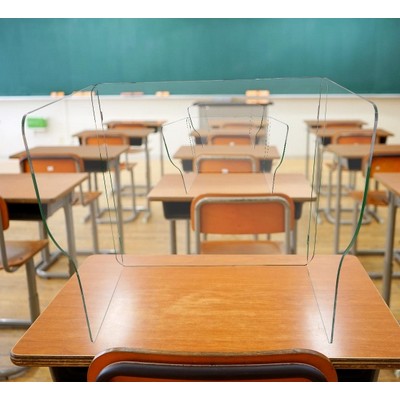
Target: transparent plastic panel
{"points": [[178, 126]]}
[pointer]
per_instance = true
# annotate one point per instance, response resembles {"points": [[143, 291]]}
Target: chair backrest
{"points": [[127, 125], [5, 223], [43, 163], [382, 163], [122, 364], [226, 163], [242, 214], [105, 139], [231, 140], [353, 136]]}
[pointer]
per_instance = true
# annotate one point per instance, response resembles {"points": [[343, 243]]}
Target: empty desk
{"points": [[214, 304]]}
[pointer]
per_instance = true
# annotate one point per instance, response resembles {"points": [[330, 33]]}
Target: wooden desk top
{"points": [[391, 180], [330, 132], [252, 132], [85, 152], [155, 124], [171, 188], [18, 188], [259, 151], [130, 133], [215, 303], [362, 150], [314, 123]]}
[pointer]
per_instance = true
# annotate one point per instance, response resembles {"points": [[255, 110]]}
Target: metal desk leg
{"points": [[161, 152], [388, 262], [69, 223], [148, 179], [187, 222], [307, 153], [172, 236], [338, 207], [148, 174], [120, 222]]}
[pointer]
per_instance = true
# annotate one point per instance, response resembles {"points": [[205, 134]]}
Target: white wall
{"points": [[72, 115]]}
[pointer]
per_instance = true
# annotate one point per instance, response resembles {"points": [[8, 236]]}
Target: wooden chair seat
{"points": [[376, 198], [19, 252], [127, 166], [85, 198]]}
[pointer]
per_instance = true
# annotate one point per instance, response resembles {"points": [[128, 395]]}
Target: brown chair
{"points": [[231, 139], [15, 254], [115, 139], [294, 365], [221, 214], [226, 164], [350, 136], [374, 198], [63, 163]]}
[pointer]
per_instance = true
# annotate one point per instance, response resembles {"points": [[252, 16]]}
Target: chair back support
{"points": [[241, 215], [232, 140], [383, 163], [355, 136], [226, 164], [105, 139], [4, 221], [127, 126], [121, 364], [52, 163]]}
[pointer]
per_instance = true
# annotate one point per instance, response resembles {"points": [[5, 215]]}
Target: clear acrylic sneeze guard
{"points": [[196, 114]]}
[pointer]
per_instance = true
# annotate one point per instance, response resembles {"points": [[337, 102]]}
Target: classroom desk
{"points": [[218, 303], [154, 125], [55, 193], [391, 181], [137, 137], [94, 161], [265, 155], [325, 130], [170, 190], [351, 157]]}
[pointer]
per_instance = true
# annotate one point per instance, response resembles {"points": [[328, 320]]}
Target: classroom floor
{"points": [[151, 236]]}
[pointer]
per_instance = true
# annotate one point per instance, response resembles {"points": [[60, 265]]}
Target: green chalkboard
{"points": [[43, 55]]}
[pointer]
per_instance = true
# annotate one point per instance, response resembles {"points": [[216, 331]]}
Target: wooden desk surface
{"points": [[147, 123], [391, 180], [250, 131], [258, 151], [130, 133], [362, 150], [314, 123], [330, 132], [171, 188], [214, 303], [85, 152], [18, 188]]}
